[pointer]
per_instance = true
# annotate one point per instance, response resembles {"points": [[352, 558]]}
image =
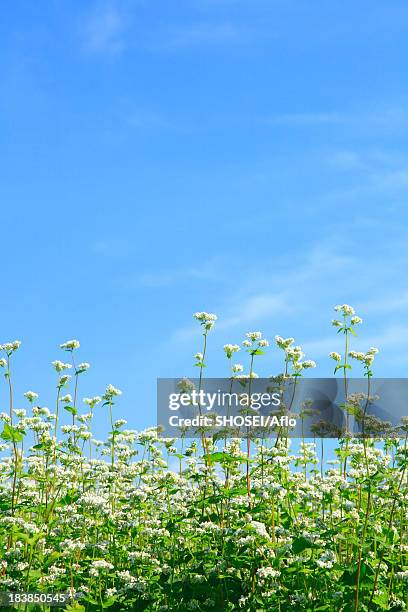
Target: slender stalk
{"points": [[248, 479]]}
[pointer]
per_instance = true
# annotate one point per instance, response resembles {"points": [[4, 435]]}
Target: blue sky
{"points": [[244, 158]]}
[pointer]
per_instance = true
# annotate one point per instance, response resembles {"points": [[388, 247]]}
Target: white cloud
{"points": [[211, 270], [254, 309], [385, 117], [389, 339], [207, 34], [250, 312], [386, 304], [251, 305], [104, 30], [306, 119], [301, 299]]}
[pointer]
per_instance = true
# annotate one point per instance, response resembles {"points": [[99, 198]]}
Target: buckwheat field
{"points": [[142, 522]]}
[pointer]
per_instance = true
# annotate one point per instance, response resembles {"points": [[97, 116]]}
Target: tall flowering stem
{"points": [[110, 393], [254, 343], [92, 402], [9, 432], [367, 360], [346, 327], [294, 367], [62, 380], [229, 350], [207, 321]]}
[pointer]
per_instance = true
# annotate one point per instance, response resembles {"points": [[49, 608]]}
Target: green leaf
{"points": [[349, 576], [68, 499], [221, 457], [71, 409], [382, 600], [11, 433], [300, 544], [42, 446], [109, 602]]}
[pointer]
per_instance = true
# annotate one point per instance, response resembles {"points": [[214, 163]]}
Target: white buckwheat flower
{"points": [[30, 395], [60, 366], [64, 379], [20, 412], [372, 351], [10, 347], [327, 559], [66, 399], [253, 336], [345, 309], [366, 358], [92, 401], [229, 349], [70, 345], [335, 356], [120, 423], [356, 320], [237, 367], [111, 391], [207, 319], [99, 565], [283, 343], [267, 572], [308, 363]]}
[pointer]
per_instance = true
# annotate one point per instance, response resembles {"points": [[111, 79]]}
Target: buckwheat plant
{"points": [[256, 526], [254, 343]]}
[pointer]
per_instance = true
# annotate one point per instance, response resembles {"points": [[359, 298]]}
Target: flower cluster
{"points": [[293, 357], [206, 319], [10, 347]]}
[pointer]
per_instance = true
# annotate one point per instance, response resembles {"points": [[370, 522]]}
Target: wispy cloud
{"points": [[250, 312], [386, 303], [103, 32], [255, 308], [106, 31], [140, 117], [385, 117], [210, 270], [145, 118], [208, 34], [251, 305], [329, 272], [308, 119], [388, 340]]}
